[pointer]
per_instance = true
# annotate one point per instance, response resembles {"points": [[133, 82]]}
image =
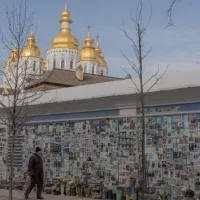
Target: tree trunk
{"points": [[143, 154], [11, 165], [143, 114], [138, 47]]}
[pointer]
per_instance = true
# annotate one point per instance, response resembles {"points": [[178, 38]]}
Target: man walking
{"points": [[36, 173]]}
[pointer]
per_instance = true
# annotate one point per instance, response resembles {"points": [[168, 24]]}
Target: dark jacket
{"points": [[35, 168]]}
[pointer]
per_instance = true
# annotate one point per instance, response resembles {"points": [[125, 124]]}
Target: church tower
{"points": [[88, 56], [9, 68], [103, 68], [29, 63], [64, 51], [31, 57]]}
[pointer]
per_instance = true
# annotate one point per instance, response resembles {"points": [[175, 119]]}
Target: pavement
{"points": [[19, 195]]}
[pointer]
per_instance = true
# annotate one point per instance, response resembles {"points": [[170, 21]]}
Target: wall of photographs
{"points": [[108, 150], [173, 148], [102, 150]]}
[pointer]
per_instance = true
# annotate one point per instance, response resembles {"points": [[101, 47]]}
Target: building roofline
{"points": [[98, 90], [47, 76]]}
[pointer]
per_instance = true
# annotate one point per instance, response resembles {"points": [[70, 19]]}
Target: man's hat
{"points": [[38, 149]]}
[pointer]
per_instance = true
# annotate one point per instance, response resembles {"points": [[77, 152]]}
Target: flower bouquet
{"points": [[61, 184]]}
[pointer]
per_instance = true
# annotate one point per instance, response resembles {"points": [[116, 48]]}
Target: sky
{"points": [[176, 47]]}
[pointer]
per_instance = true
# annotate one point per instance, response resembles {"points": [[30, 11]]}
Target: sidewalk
{"points": [[19, 195]]}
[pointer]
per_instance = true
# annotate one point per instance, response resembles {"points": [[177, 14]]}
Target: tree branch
{"points": [[170, 11], [153, 76], [135, 84], [132, 64], [157, 79]]}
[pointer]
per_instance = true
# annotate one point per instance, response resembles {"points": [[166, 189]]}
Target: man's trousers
{"points": [[32, 185]]}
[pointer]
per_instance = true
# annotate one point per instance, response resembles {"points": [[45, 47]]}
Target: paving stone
{"points": [[19, 195]]}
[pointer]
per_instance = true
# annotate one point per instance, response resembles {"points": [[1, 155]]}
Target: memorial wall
{"points": [[108, 150]]}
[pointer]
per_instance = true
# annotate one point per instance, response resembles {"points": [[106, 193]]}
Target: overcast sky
{"points": [[177, 47]]}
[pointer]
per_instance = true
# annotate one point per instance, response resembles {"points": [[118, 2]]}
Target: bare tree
{"points": [[170, 9], [143, 85], [15, 101]]}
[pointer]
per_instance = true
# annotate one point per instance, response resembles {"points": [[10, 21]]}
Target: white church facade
{"points": [[63, 54]]}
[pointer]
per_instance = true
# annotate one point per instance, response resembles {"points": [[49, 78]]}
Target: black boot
{"points": [[26, 196], [40, 197]]}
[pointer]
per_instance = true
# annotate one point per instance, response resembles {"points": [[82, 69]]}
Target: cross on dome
{"points": [[97, 40], [65, 4], [31, 30], [89, 30]]}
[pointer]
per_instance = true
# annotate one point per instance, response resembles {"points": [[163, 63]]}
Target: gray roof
{"points": [[67, 78]]}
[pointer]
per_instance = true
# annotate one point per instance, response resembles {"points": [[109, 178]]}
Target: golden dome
{"points": [[10, 60], [66, 16], [102, 61], [88, 52], [100, 58], [98, 49], [13, 58], [31, 50], [65, 39]]}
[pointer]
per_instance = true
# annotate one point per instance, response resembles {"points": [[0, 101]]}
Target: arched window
{"points": [[85, 69], [80, 68], [101, 72], [71, 64], [62, 64], [34, 67], [40, 68], [26, 64], [92, 69], [54, 64]]}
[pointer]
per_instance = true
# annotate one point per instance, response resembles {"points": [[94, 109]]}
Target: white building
{"points": [[63, 54]]}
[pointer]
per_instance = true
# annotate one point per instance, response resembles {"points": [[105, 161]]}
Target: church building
{"points": [[65, 64]]}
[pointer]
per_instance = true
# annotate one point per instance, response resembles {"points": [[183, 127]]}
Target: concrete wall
{"points": [[179, 96]]}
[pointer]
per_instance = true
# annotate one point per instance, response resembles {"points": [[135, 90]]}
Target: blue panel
{"points": [[172, 108], [82, 115]]}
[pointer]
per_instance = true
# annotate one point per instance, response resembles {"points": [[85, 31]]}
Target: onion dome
{"points": [[100, 58], [31, 50], [88, 52], [65, 39], [13, 58]]}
